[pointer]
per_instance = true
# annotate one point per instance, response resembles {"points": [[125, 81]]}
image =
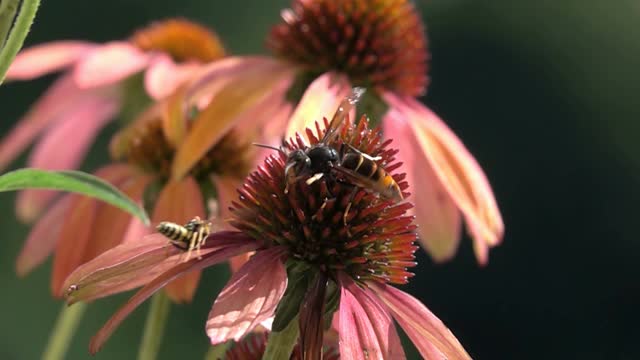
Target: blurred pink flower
{"points": [[322, 48], [77, 229], [320, 240], [98, 81]]}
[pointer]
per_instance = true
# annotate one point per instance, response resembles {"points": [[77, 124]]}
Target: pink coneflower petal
{"points": [[56, 152], [322, 97], [249, 298], [122, 268], [179, 202], [237, 246], [111, 222], [163, 75], [109, 64], [249, 88], [74, 240], [430, 336], [134, 264], [457, 171], [271, 134], [42, 238], [136, 230], [42, 59], [212, 78], [56, 102], [436, 212], [358, 338], [381, 320]]}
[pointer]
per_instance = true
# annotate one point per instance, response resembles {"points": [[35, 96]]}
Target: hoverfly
{"points": [[188, 237], [356, 167]]}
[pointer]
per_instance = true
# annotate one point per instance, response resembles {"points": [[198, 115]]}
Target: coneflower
{"points": [[99, 82], [325, 246], [328, 46]]}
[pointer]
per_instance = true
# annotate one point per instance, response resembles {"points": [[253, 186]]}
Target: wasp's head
{"points": [[297, 162], [322, 158]]}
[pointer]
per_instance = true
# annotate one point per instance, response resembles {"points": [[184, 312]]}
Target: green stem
{"points": [[281, 343], [63, 331], [217, 352], [19, 32], [8, 10], [154, 327]]}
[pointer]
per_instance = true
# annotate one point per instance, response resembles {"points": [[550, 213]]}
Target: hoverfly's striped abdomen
{"points": [[371, 175]]}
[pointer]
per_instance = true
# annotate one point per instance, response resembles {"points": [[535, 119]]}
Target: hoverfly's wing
{"points": [[341, 114]]}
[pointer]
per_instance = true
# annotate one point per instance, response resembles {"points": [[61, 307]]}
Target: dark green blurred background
{"points": [[542, 92]]}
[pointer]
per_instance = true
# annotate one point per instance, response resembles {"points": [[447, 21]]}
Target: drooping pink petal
{"points": [[321, 99], [136, 230], [63, 148], [124, 267], [58, 100], [225, 110], [430, 336], [235, 246], [358, 338], [249, 298], [109, 64], [134, 264], [457, 171], [213, 76], [163, 75], [273, 110], [271, 134], [380, 319], [42, 238], [111, 222], [179, 202], [74, 240], [207, 81], [42, 59], [436, 213]]}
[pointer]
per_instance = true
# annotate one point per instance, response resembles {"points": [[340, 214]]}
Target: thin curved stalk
{"points": [[8, 9], [63, 331], [154, 326], [18, 33]]}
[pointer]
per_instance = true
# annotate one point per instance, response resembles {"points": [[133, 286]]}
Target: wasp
{"points": [[356, 167], [189, 237]]}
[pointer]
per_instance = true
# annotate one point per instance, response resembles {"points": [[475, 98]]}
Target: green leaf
{"points": [[71, 181]]}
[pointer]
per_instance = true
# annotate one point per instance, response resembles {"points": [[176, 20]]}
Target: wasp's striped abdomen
{"points": [[173, 231], [370, 175], [188, 237]]}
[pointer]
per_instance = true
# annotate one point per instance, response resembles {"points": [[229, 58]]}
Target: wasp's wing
{"points": [[343, 111]]}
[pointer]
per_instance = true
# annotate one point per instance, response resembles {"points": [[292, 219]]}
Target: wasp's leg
{"points": [[290, 181], [346, 210], [365, 155], [324, 205], [201, 237], [314, 178]]}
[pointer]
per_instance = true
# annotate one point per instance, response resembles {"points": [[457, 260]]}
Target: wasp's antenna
{"points": [[279, 149]]}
